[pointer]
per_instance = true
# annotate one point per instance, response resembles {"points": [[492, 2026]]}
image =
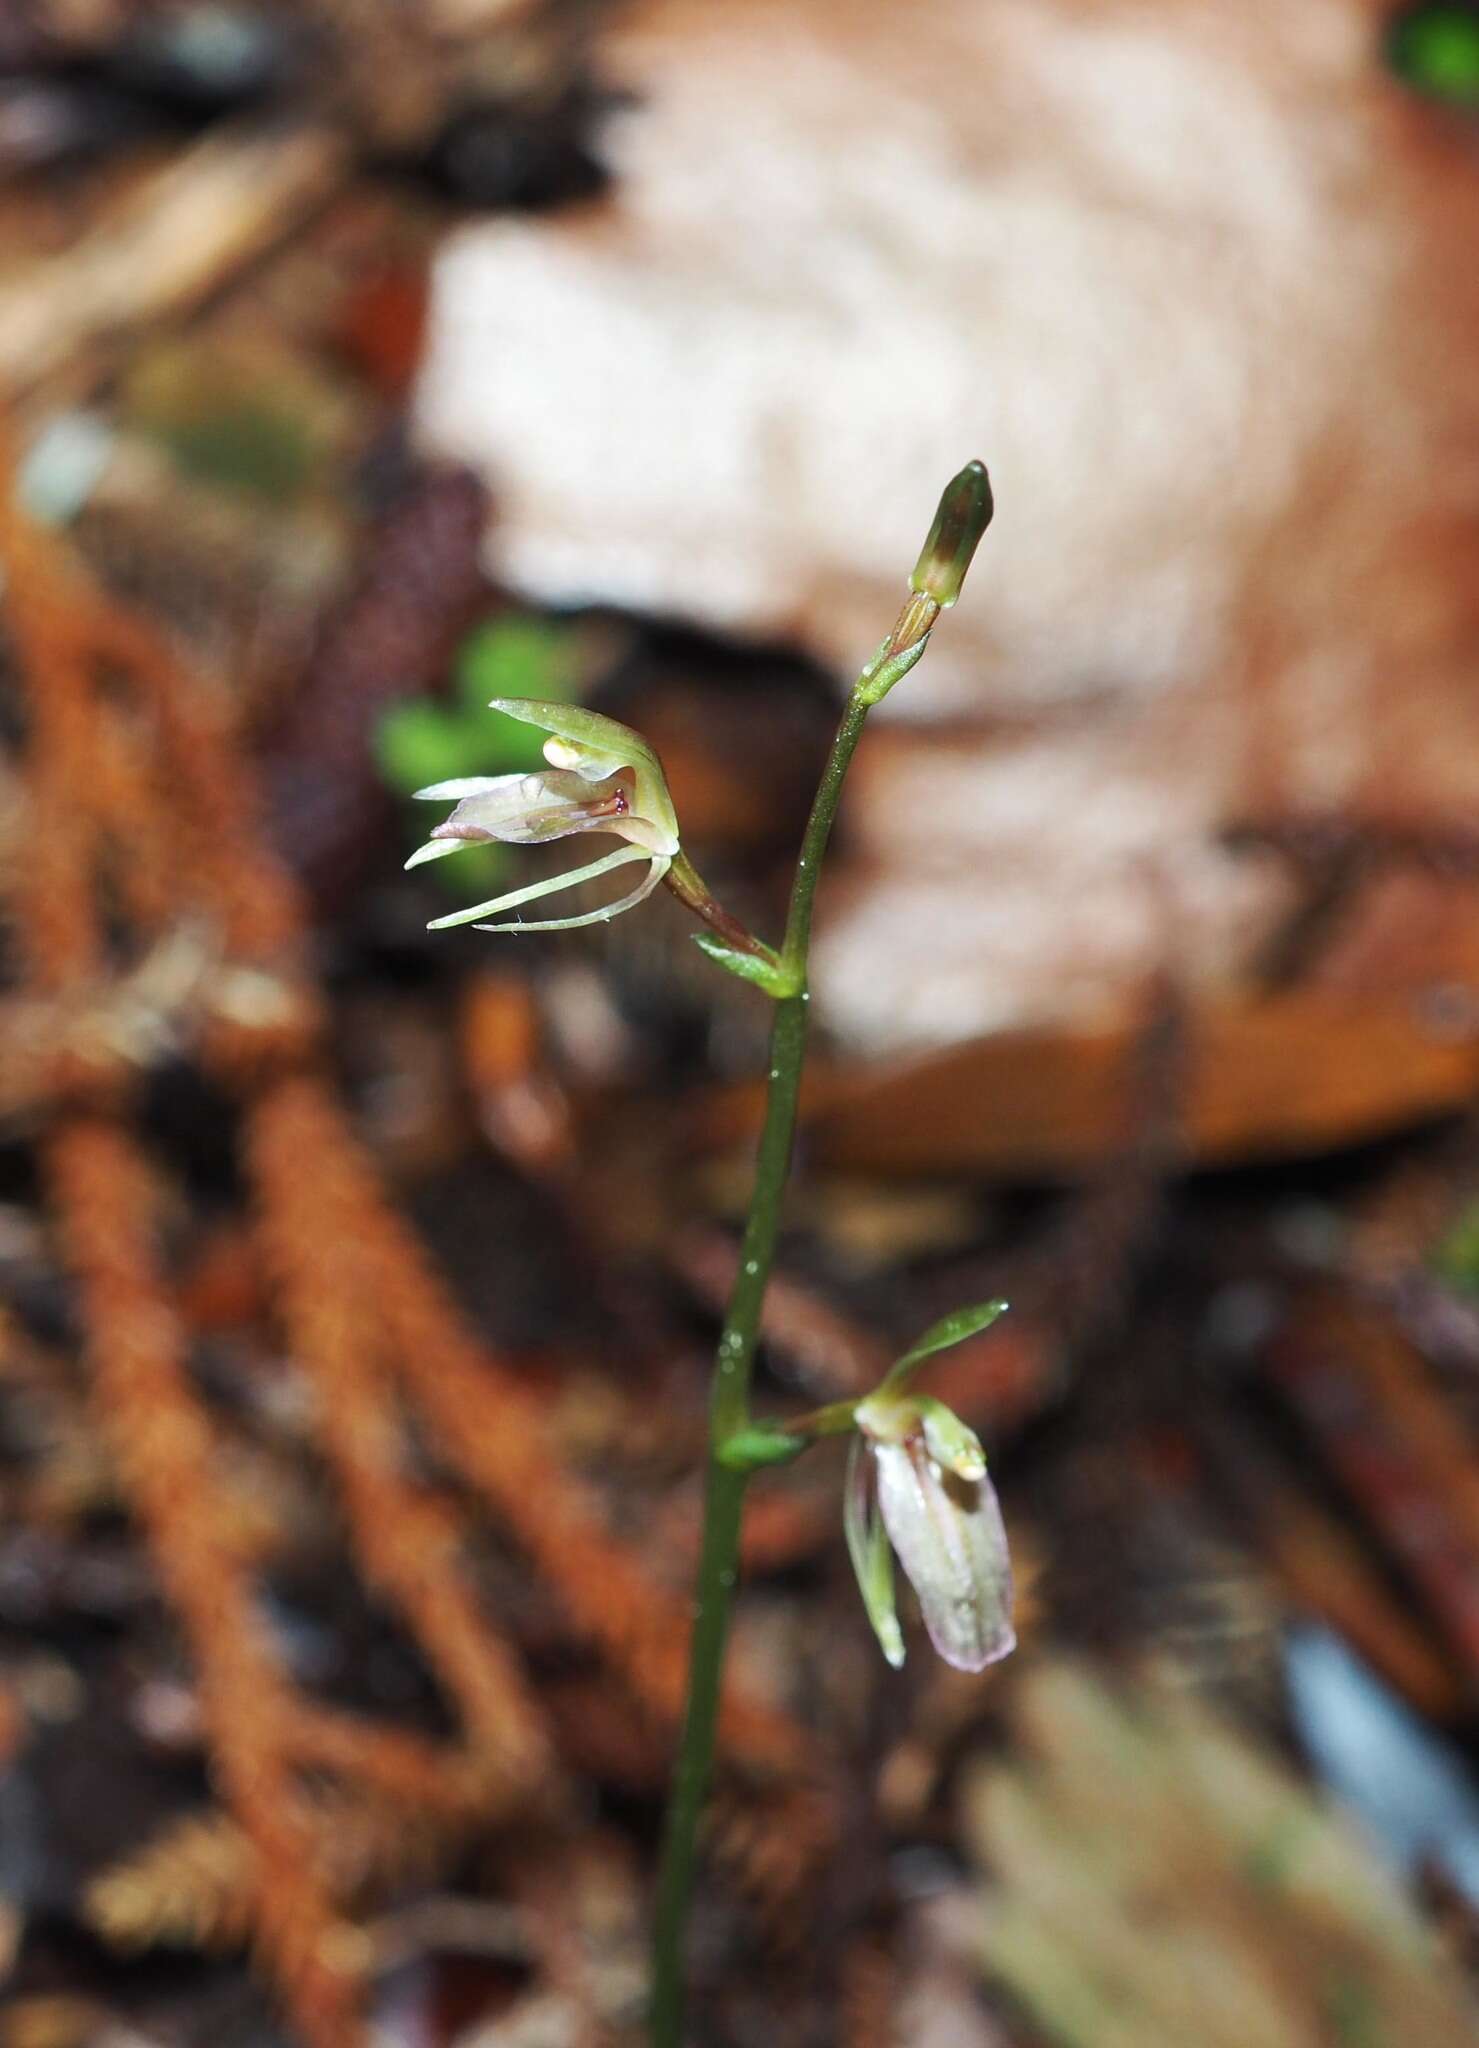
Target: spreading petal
{"points": [[602, 916], [532, 890], [950, 1539], [435, 849]]}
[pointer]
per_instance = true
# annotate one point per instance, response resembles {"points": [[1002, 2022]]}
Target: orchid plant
{"points": [[917, 1485]]}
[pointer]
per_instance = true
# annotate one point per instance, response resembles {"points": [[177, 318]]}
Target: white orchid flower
{"points": [[602, 778], [943, 1521], [917, 1486]]}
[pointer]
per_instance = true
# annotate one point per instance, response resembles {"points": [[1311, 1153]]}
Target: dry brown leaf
{"points": [[1195, 280], [1289, 1075]]}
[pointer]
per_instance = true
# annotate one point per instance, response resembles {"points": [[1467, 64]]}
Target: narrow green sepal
{"points": [[963, 516], [872, 1558], [763, 969], [749, 1449], [951, 1329]]}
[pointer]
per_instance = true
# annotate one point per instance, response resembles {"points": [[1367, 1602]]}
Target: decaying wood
{"points": [[1221, 581], [167, 244], [1266, 1079]]}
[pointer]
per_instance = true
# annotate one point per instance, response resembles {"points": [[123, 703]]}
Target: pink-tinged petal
{"points": [[526, 810], [642, 832], [951, 1541]]}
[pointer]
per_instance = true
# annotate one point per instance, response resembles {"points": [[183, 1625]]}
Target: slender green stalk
{"points": [[730, 1407], [691, 890], [716, 1574], [964, 513]]}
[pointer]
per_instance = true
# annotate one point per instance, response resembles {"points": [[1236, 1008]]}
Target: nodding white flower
{"points": [[602, 778], [916, 1481]]}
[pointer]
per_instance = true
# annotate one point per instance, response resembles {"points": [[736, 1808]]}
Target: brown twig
{"points": [[161, 1442], [1322, 839], [1323, 1570], [362, 1304], [610, 1597], [153, 1420], [164, 245], [193, 1882], [409, 1545]]}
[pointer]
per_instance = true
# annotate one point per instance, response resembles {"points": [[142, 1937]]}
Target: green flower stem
{"points": [[836, 1419], [691, 890], [729, 1413], [737, 1446], [776, 1440], [723, 1504]]}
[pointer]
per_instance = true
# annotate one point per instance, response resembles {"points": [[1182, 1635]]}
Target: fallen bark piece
{"points": [[1194, 281], [1279, 1078], [168, 242]]}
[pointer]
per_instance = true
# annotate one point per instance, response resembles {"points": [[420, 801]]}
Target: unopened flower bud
{"points": [[964, 515]]}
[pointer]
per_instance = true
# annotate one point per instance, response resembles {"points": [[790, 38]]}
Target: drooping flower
{"points": [[602, 777], [917, 1486]]}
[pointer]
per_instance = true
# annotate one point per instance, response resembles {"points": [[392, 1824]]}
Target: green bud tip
{"points": [[964, 515]]}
